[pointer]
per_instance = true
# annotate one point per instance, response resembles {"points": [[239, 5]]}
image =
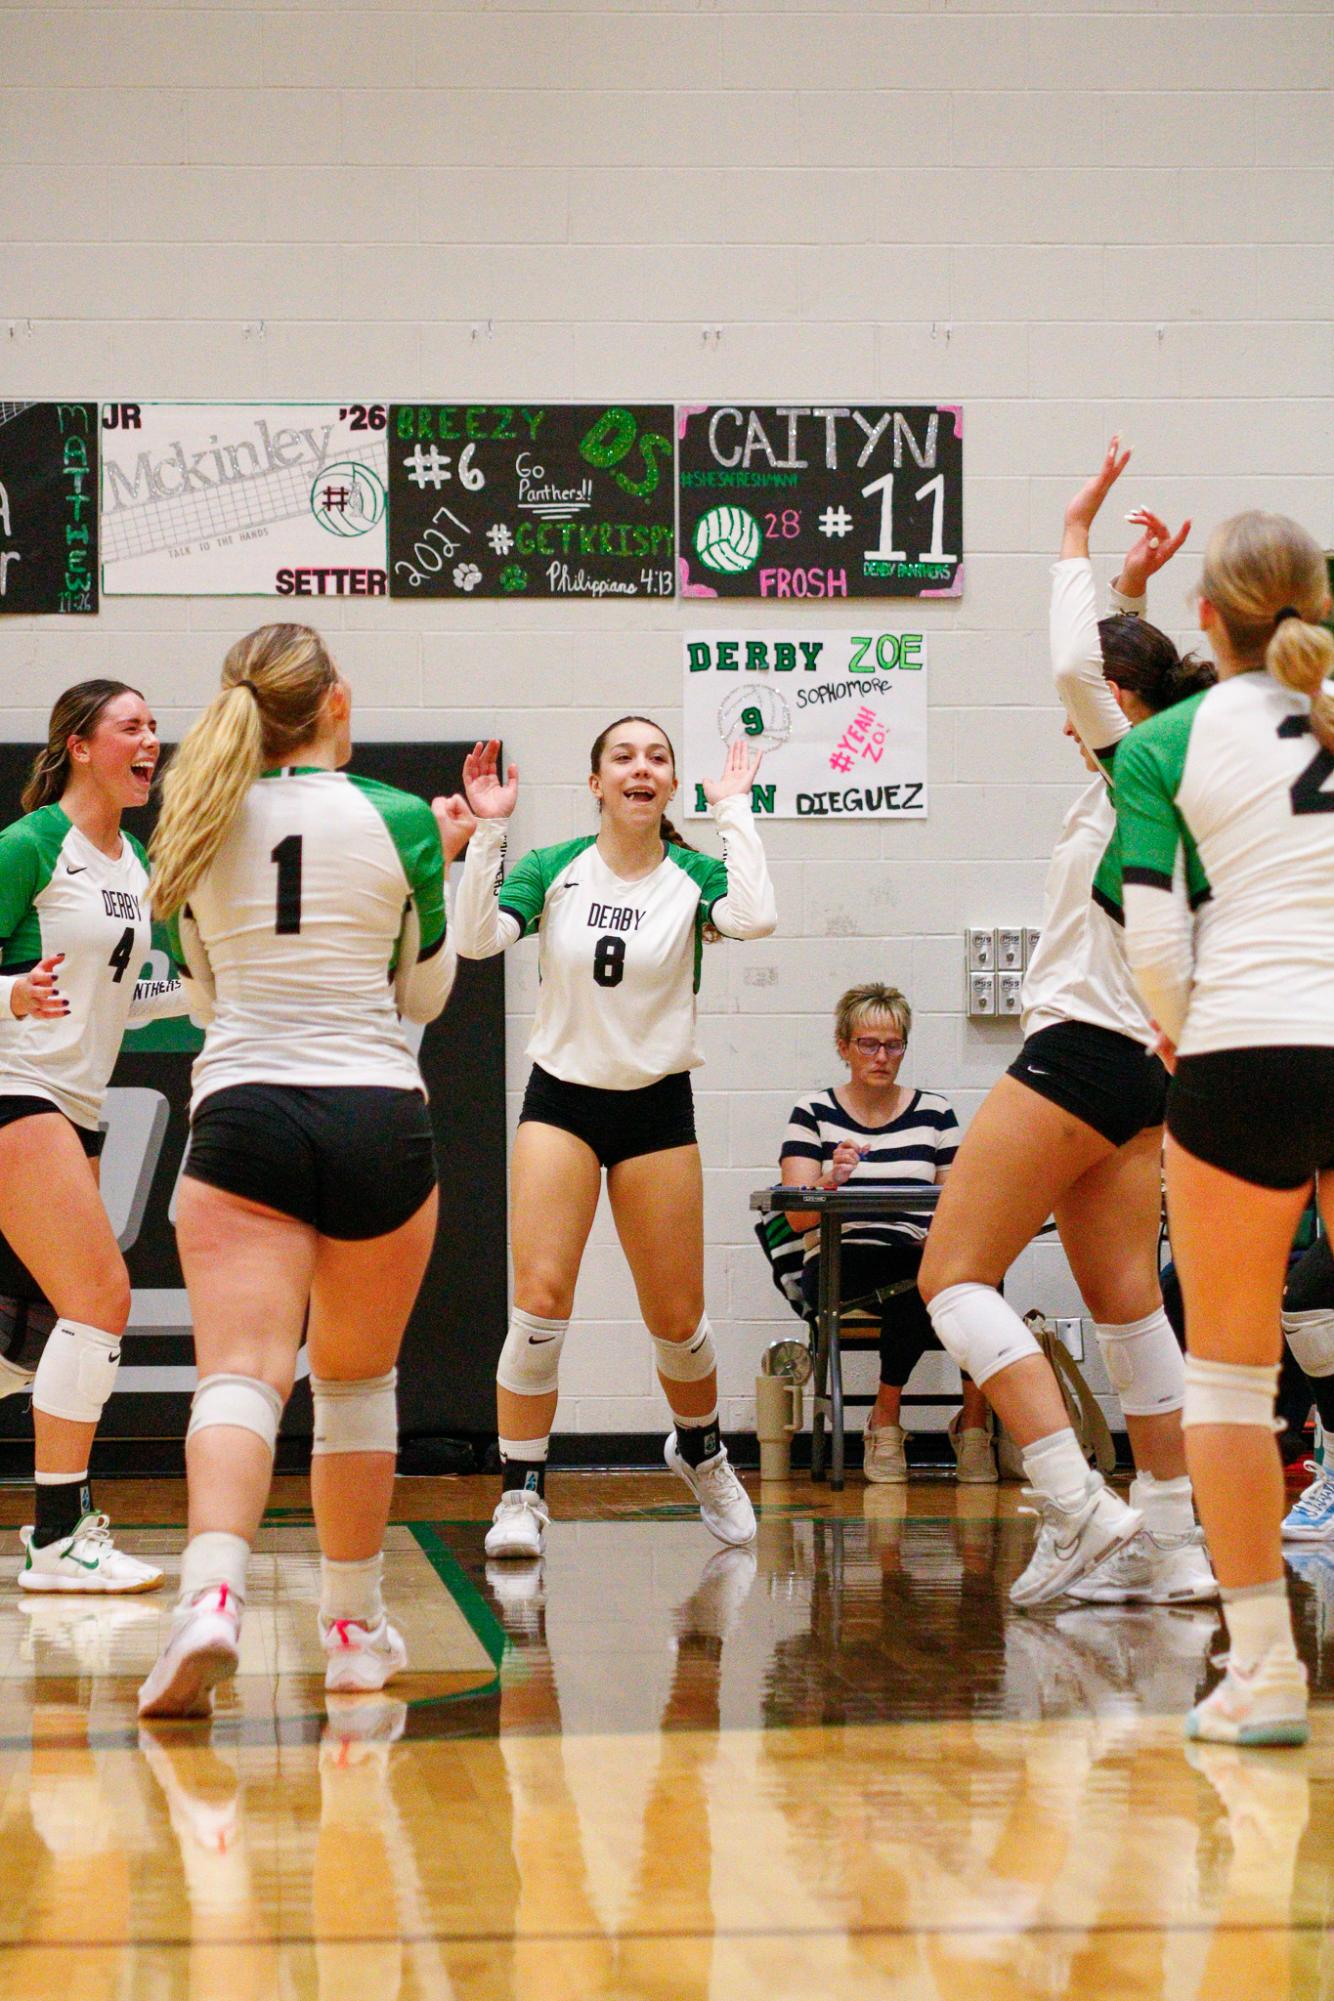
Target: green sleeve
{"points": [[28, 854], [523, 893], [1150, 828], [416, 837], [708, 873]]}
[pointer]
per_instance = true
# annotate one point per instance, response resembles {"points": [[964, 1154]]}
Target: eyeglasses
{"points": [[871, 1045]]}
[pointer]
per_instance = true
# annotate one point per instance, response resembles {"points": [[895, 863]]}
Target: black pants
{"points": [[906, 1332]]}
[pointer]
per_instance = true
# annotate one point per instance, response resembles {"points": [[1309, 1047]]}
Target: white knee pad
{"points": [[1310, 1336], [77, 1372], [355, 1417], [1144, 1364], [242, 1401], [979, 1332], [1230, 1393], [529, 1364], [687, 1361]]}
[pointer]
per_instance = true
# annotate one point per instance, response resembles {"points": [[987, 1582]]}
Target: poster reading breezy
{"points": [[243, 499], [48, 507], [840, 716], [821, 501], [546, 500]]}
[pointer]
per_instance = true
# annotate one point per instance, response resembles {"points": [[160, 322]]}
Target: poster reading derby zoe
{"points": [[840, 716], [837, 500]]}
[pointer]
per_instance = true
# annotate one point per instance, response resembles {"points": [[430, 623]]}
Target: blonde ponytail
{"points": [[274, 685], [1301, 656], [1266, 579]]}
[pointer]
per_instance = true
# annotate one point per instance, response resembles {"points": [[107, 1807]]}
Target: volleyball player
{"points": [[622, 918], [308, 910], [1074, 1129], [1225, 809], [74, 932]]}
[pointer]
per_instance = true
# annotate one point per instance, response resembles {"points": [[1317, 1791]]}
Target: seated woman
{"points": [[871, 1129]]}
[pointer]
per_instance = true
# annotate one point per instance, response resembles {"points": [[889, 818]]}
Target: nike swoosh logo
{"points": [[76, 871], [1034, 1071], [539, 1340]]}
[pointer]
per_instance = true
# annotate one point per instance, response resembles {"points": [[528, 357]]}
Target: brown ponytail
{"points": [[671, 834], [76, 713]]}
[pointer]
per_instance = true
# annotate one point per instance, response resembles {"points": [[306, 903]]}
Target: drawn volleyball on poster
{"points": [[729, 539], [759, 716], [348, 498]]}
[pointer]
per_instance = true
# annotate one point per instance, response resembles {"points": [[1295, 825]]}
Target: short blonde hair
{"points": [[857, 1005]]}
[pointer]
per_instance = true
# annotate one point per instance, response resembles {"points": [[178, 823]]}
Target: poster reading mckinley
{"points": [[840, 717], [244, 499]]}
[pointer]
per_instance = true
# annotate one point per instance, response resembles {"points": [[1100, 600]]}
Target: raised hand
{"points": [[1082, 510], [1155, 546], [457, 824], [37, 992], [843, 1164], [489, 797], [739, 768]]}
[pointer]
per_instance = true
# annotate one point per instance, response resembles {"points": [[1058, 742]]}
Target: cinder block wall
{"points": [[1070, 219]]}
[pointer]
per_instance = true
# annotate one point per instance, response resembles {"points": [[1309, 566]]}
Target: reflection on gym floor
{"points": [[834, 1764]]}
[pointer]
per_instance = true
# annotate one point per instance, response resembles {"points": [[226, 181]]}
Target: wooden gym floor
{"points": [[837, 1765]]}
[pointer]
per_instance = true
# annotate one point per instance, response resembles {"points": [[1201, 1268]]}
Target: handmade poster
{"points": [[48, 507], [840, 717], [539, 500], [243, 499], [827, 501]]}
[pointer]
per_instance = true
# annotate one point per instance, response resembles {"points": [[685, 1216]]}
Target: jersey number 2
{"points": [[287, 855], [1307, 791], [609, 961]]}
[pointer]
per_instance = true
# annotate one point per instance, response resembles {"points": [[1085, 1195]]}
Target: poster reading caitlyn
{"points": [[48, 507], [537, 500], [821, 501], [840, 716], [243, 500]]}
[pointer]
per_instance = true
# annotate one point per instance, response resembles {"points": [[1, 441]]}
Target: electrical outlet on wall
{"points": [[1070, 1333], [1030, 945], [1009, 950], [1009, 986], [981, 949], [981, 993]]}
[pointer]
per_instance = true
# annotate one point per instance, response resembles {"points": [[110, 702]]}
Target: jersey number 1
{"points": [[287, 855]]}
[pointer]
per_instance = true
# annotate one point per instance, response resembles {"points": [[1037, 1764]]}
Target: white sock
{"points": [[1057, 1468], [352, 1590], [1168, 1506], [211, 1559], [1257, 1619]]}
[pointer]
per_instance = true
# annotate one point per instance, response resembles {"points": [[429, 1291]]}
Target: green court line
{"points": [[485, 1626]]}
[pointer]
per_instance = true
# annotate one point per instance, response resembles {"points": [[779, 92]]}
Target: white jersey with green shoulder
{"points": [[59, 893], [319, 922], [619, 961], [1225, 807]]}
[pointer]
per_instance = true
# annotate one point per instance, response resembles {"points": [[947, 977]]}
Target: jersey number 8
{"points": [[609, 961]]}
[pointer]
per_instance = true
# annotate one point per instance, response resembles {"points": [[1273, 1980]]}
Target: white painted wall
{"points": [[1069, 217]]}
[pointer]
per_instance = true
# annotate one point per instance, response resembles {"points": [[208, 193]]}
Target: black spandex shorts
{"points": [[353, 1161], [1265, 1115], [617, 1125], [13, 1107], [1109, 1081]]}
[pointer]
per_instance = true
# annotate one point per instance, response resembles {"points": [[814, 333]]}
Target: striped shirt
{"points": [[912, 1147]]}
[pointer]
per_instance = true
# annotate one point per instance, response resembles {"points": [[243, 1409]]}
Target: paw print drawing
{"points": [[467, 576], [512, 578]]}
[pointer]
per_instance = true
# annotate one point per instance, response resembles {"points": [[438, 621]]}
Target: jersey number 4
{"points": [[120, 958], [1307, 789], [287, 855]]}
